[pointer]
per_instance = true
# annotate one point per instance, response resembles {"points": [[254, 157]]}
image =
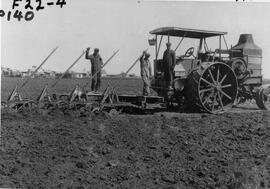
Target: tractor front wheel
{"points": [[263, 97]]}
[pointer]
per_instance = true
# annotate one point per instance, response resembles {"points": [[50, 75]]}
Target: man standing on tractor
{"points": [[96, 64], [169, 61], [146, 72]]}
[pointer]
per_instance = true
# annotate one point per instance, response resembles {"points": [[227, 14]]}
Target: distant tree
{"points": [[123, 74], [67, 75]]}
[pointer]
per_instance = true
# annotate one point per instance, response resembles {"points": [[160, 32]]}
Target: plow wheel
{"points": [[263, 97], [213, 89]]}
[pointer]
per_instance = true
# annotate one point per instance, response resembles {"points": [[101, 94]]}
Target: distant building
{"points": [[25, 74], [78, 75], [7, 72], [49, 74], [16, 73], [30, 71], [103, 73], [38, 74]]}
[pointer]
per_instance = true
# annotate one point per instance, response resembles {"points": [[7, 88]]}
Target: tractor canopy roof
{"points": [[184, 32]]}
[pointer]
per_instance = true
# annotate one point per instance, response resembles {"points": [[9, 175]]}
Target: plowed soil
{"points": [[161, 150]]}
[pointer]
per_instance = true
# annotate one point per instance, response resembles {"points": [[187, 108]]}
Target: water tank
{"points": [[252, 54]]}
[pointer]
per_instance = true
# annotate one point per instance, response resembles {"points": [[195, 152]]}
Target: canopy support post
{"points": [[200, 47], [225, 42], [205, 45], [220, 47], [179, 43], [156, 49], [159, 45]]}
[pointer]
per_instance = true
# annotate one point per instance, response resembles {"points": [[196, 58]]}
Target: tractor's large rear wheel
{"points": [[213, 88]]}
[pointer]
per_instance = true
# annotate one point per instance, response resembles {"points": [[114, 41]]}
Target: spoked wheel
{"points": [[263, 97], [217, 87]]}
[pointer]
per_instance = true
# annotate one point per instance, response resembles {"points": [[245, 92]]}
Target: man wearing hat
{"points": [[96, 64], [169, 60], [146, 72]]}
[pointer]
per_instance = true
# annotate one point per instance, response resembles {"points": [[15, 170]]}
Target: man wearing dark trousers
{"points": [[96, 64], [169, 60]]}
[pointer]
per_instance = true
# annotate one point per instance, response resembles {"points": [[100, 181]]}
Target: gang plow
{"points": [[79, 99]]}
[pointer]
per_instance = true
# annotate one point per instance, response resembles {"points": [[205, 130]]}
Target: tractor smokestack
{"points": [[247, 46], [245, 38]]}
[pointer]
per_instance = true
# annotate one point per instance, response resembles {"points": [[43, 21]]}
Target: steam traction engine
{"points": [[211, 81]]}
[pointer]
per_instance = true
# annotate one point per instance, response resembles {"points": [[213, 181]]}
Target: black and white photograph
{"points": [[135, 94]]}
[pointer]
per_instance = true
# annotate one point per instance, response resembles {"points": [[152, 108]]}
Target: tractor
{"points": [[210, 81]]}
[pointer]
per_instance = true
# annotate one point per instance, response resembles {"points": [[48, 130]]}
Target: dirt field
{"points": [[162, 150]]}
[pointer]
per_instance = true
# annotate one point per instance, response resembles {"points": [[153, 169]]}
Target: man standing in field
{"points": [[169, 60], [146, 72], [96, 64]]}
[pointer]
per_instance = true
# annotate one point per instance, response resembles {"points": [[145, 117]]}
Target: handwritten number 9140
{"points": [[28, 16]]}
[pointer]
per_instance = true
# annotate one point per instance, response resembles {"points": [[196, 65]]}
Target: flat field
{"points": [[35, 86], [162, 150]]}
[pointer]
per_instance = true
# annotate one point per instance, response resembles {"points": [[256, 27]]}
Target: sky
{"points": [[124, 25]]}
